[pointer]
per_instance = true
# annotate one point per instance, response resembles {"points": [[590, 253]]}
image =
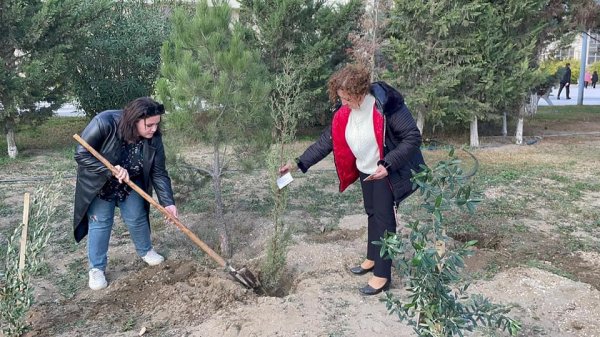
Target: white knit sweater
{"points": [[360, 135]]}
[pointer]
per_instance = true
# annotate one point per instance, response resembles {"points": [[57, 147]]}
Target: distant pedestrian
{"points": [[594, 79], [565, 81], [587, 78]]}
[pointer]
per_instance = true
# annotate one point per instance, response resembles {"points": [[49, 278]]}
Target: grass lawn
{"points": [[55, 134]]}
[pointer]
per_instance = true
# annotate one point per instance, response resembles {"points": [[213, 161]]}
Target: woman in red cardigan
{"points": [[374, 138]]}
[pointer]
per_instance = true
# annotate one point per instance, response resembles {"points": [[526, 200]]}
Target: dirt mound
{"points": [[172, 293]]}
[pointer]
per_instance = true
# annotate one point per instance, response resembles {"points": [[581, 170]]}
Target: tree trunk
{"points": [[421, 121], [222, 227], [519, 133], [504, 126], [528, 108], [10, 141], [474, 133], [532, 106]]}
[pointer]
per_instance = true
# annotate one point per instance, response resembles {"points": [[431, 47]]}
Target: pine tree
{"points": [[311, 34], [216, 90]]}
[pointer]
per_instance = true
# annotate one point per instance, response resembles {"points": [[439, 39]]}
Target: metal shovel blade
{"points": [[245, 277]]}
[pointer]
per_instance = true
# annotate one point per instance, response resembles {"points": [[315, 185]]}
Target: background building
{"points": [[574, 50]]}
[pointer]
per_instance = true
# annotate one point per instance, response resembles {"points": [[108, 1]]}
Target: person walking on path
{"points": [[131, 140], [594, 79], [587, 78], [374, 138], [565, 81]]}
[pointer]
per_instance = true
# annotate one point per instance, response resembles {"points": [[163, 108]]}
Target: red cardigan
{"points": [[344, 159]]}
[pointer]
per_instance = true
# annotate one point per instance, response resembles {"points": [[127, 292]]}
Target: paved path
{"points": [[69, 110], [591, 96]]}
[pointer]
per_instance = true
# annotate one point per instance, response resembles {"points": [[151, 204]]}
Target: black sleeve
{"points": [[95, 135], [317, 151], [160, 177], [406, 135]]}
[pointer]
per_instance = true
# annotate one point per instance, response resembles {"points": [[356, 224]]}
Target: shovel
{"points": [[243, 275]]}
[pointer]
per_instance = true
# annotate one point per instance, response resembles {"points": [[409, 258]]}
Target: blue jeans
{"points": [[101, 215]]}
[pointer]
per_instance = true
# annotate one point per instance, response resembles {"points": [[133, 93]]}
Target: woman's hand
{"points": [[172, 210], [287, 168], [122, 175], [380, 173]]}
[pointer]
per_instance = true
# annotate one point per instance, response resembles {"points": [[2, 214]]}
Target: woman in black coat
{"points": [[374, 138], [130, 139]]}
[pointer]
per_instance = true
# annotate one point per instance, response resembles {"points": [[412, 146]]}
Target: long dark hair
{"points": [[139, 108]]}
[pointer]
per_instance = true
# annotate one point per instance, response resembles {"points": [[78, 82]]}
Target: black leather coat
{"points": [[401, 143], [101, 134]]}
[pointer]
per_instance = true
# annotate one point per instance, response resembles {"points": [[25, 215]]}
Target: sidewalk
{"points": [[69, 110], [591, 96]]}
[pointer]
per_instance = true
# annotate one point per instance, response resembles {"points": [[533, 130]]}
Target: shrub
{"points": [[437, 306], [555, 68], [16, 291]]}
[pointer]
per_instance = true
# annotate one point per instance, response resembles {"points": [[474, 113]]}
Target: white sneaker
{"points": [[152, 258], [97, 279]]}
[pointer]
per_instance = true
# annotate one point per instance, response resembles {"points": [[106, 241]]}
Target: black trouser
{"points": [[379, 206], [563, 85]]}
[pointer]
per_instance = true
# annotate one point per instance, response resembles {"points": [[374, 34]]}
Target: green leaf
{"points": [[438, 216], [438, 201]]}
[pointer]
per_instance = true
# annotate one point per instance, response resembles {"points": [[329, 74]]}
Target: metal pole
{"points": [[581, 80]]}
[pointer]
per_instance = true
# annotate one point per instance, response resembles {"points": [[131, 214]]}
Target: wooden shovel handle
{"points": [[153, 202]]}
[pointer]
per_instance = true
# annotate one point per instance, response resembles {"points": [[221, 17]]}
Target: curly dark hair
{"points": [[139, 108], [354, 79]]}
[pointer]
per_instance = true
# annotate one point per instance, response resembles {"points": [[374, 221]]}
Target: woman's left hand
{"points": [[172, 210], [380, 173]]}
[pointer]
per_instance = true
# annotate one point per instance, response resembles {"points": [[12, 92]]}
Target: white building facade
{"points": [[574, 50]]}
